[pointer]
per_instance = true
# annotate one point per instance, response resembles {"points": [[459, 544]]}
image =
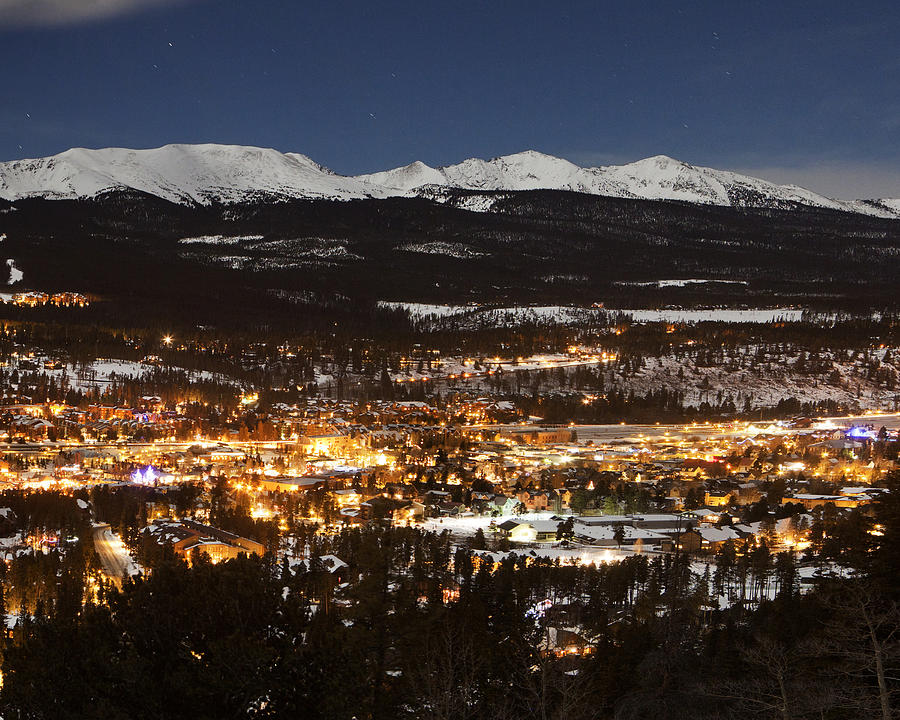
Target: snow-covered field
{"points": [[562, 314], [219, 240], [335, 251], [421, 310], [716, 315], [679, 283], [496, 315], [102, 371], [454, 250]]}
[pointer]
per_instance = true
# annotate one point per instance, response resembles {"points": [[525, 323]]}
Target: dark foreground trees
{"points": [[406, 633]]}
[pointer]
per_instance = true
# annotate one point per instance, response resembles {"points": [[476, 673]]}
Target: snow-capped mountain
{"points": [[181, 173], [206, 174], [655, 178]]}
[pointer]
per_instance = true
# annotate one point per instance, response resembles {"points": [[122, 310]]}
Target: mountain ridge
{"points": [[206, 174], [184, 174], [658, 177]]}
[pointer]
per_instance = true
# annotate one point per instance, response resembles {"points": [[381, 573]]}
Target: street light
{"points": [[167, 340]]}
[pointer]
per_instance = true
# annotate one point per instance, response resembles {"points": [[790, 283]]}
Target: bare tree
{"points": [[862, 634], [446, 680], [779, 682], [553, 693]]}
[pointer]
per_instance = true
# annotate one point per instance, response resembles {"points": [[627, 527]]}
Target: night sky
{"points": [[803, 92]]}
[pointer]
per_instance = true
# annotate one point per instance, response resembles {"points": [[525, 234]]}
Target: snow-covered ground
{"points": [[459, 368], [219, 239], [743, 379], [15, 275], [425, 309], [465, 527], [335, 250], [455, 250], [716, 315], [251, 252], [496, 316], [763, 383], [101, 371], [679, 283], [462, 529], [562, 314]]}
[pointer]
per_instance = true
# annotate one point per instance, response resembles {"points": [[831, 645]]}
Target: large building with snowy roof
{"points": [[189, 538]]}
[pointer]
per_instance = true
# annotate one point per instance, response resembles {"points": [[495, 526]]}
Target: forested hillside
{"points": [[239, 263]]}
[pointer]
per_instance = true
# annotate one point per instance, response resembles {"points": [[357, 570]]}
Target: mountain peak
{"points": [[182, 173], [527, 155], [657, 161], [404, 179], [663, 160], [211, 173]]}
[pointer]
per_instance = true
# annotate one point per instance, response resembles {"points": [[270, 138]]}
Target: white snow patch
{"points": [[565, 314], [679, 283], [101, 371], [717, 315], [219, 239], [455, 250], [332, 252], [15, 275], [425, 309]]}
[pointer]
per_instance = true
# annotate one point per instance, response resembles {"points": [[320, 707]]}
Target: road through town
{"points": [[113, 556]]}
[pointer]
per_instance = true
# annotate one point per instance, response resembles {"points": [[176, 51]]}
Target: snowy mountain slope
{"points": [[662, 178], [210, 173], [406, 178], [181, 173], [882, 207], [655, 178], [529, 170]]}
